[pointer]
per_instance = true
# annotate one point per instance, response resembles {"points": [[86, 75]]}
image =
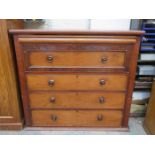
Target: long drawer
{"points": [[74, 59], [81, 118], [77, 100], [77, 82]]}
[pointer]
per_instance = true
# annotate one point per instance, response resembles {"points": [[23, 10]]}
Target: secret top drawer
{"points": [[64, 53], [74, 59], [77, 82]]}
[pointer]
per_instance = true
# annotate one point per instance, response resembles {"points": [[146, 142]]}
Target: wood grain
{"points": [[10, 112], [98, 33], [79, 59], [132, 64], [78, 118], [77, 100], [77, 40], [77, 82], [149, 122]]}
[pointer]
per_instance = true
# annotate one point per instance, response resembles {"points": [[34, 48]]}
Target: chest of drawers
{"points": [[76, 79]]}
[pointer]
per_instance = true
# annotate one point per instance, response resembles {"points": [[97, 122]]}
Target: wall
{"points": [[80, 24]]}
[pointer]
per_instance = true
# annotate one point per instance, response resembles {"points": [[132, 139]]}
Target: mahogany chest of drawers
{"points": [[76, 79]]}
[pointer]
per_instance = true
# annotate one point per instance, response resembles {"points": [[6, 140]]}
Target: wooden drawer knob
{"points": [[52, 99], [100, 117], [54, 117], [102, 82], [104, 59], [50, 58], [51, 83], [101, 99]]}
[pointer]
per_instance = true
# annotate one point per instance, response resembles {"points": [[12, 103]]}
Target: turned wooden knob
{"points": [[101, 99], [102, 82], [51, 83], [52, 99], [100, 117], [104, 59], [50, 58], [54, 117]]}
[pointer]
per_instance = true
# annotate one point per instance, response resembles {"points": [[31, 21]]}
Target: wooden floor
{"points": [[135, 128]]}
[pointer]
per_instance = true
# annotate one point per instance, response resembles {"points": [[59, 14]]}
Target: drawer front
{"points": [[77, 82], [74, 59], [81, 100], [74, 118]]}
